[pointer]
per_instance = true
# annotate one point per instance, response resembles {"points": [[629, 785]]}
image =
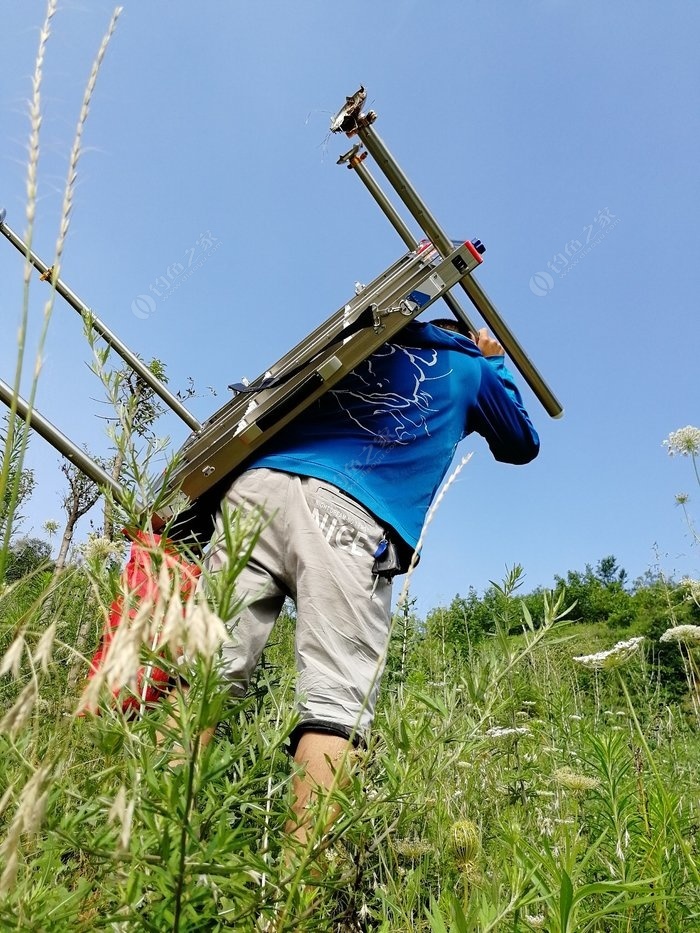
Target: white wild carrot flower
{"points": [[413, 849], [502, 732], [536, 921], [692, 588], [101, 550], [573, 781], [682, 634], [613, 657], [685, 441]]}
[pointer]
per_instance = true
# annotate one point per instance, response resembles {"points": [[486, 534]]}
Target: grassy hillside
{"points": [[507, 786]]}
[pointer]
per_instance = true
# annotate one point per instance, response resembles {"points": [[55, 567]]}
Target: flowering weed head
{"points": [[613, 657], [685, 441], [682, 635], [573, 781]]}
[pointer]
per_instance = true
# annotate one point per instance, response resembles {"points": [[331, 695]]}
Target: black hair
{"points": [[451, 323]]}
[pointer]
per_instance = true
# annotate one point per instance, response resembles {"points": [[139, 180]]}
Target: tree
{"points": [[25, 556], [16, 484], [465, 622], [599, 594], [608, 572], [82, 494]]}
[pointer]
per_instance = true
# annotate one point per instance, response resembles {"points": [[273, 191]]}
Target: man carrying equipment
{"points": [[345, 489]]}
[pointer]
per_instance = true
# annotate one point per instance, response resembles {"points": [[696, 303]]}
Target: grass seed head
{"points": [[20, 711], [12, 659]]}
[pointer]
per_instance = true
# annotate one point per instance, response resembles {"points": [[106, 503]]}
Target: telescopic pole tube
{"points": [[96, 324], [369, 181], [62, 444], [442, 243]]}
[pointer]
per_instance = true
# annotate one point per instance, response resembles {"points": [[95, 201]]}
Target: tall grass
{"points": [[503, 797]]}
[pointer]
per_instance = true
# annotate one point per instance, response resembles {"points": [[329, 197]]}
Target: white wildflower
{"points": [[501, 732], [683, 634], [536, 921], [693, 588], [573, 781], [685, 441], [413, 849], [614, 657], [575, 717], [99, 550]]}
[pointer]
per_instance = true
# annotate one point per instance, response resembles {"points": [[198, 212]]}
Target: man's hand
{"points": [[488, 345]]}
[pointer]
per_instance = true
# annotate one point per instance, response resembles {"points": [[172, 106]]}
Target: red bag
{"points": [[140, 582]]}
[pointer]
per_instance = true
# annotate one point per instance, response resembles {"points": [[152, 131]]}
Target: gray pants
{"points": [[317, 547]]}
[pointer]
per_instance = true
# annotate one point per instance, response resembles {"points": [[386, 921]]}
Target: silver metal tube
{"points": [[62, 444], [138, 366], [443, 244], [355, 162]]}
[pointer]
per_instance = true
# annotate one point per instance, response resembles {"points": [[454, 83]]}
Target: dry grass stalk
{"points": [[12, 659], [20, 711], [27, 820]]}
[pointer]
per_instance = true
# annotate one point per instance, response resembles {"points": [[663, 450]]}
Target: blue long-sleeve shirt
{"points": [[387, 432]]}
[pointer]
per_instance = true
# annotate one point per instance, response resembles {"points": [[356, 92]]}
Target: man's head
{"points": [[488, 345], [450, 323]]}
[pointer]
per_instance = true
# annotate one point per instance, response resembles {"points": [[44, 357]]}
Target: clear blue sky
{"points": [[519, 122]]}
